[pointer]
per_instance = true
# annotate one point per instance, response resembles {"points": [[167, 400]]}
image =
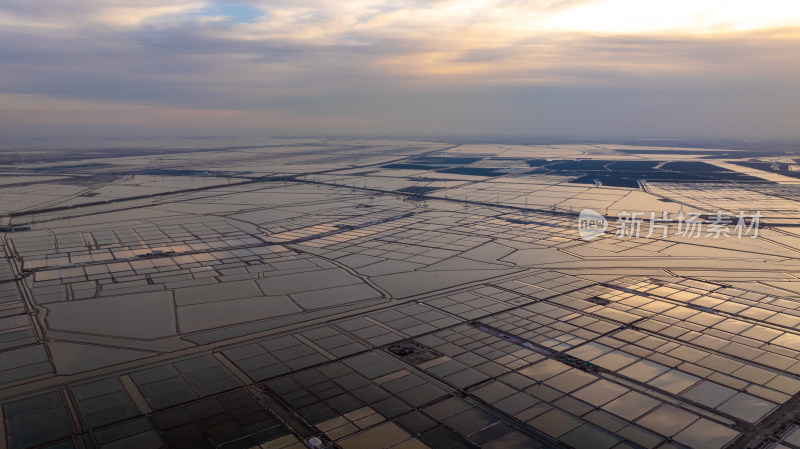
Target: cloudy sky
{"points": [[679, 68]]}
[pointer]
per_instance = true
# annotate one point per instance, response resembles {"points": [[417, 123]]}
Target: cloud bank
{"points": [[414, 67]]}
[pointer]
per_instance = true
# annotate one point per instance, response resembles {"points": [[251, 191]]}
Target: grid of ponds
{"points": [[335, 306]]}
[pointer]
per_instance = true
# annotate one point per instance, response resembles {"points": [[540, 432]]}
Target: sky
{"points": [[584, 68]]}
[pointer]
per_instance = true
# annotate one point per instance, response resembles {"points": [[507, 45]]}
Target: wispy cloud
{"points": [[400, 66]]}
